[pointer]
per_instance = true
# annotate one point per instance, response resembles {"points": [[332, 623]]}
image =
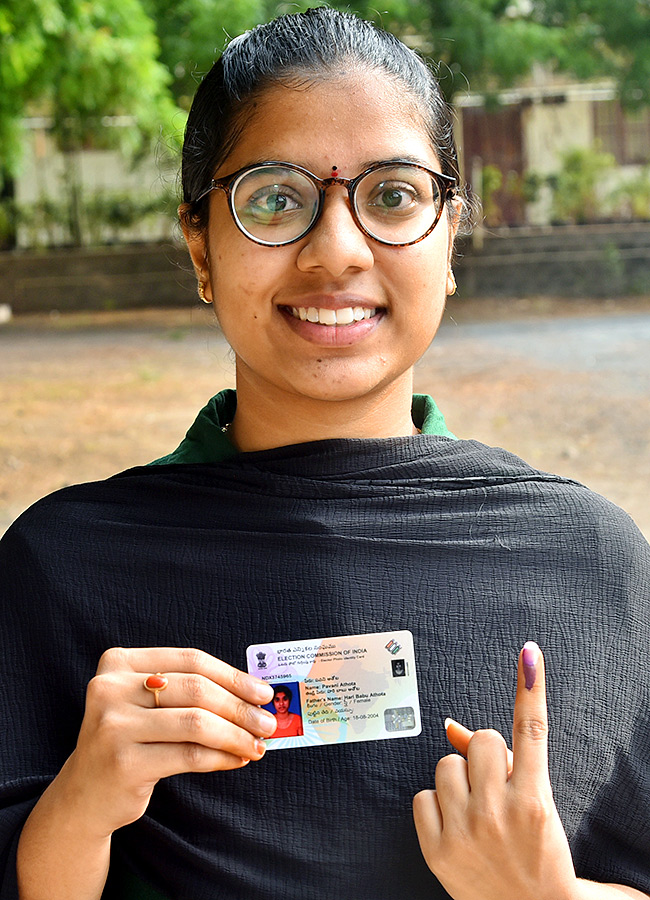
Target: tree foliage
{"points": [[192, 34], [603, 37], [493, 43], [25, 28], [81, 61]]}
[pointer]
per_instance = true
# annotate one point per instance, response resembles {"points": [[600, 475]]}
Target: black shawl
{"points": [[466, 546]]}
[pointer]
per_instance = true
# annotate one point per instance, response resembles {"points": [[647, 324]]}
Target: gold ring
{"points": [[155, 684]]}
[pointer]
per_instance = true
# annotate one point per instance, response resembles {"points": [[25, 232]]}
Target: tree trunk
{"points": [[73, 186]]}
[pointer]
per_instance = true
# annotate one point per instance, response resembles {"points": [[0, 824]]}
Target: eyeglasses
{"points": [[277, 203]]}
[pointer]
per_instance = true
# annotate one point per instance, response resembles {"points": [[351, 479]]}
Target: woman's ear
{"points": [[195, 240]]}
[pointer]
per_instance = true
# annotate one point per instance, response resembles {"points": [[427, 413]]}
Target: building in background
{"points": [[550, 151], [556, 151], [91, 197]]}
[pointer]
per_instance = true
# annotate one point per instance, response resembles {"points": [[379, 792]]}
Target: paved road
{"points": [[604, 345], [570, 395], [83, 397]]}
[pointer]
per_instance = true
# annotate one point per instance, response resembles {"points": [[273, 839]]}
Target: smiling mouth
{"points": [[346, 316]]}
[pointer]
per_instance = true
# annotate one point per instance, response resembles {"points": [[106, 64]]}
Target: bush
{"points": [[105, 217], [631, 199], [579, 190], [492, 178]]}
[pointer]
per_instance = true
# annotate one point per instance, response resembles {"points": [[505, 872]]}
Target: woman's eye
{"points": [[273, 201], [394, 198]]}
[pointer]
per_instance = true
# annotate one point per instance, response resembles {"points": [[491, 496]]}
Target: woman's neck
{"points": [[274, 418]]}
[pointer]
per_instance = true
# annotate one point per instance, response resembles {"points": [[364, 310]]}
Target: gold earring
{"points": [[451, 283], [201, 290]]}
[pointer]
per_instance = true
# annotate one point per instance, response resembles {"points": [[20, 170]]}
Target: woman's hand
{"points": [[490, 835], [208, 720]]}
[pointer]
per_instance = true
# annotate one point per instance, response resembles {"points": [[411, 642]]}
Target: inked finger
{"points": [[530, 726]]}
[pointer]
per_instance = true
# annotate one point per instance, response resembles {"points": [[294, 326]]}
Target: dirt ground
{"points": [[86, 395]]}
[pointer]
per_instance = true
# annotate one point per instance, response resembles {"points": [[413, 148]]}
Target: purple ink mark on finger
{"points": [[530, 656]]}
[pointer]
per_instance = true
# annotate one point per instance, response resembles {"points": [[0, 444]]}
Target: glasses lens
{"points": [[274, 204], [398, 204]]}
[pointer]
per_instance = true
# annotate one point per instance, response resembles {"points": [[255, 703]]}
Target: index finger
{"points": [[187, 660], [530, 728]]}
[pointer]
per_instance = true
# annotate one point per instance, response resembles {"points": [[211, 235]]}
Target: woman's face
{"points": [[281, 703], [350, 123]]}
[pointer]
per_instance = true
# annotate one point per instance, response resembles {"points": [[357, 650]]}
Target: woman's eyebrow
{"points": [[405, 157], [366, 164]]}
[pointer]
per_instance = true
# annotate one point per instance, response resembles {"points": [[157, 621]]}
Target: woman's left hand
{"points": [[490, 835]]}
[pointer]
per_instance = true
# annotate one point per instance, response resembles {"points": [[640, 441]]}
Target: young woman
{"points": [[321, 203], [289, 723]]}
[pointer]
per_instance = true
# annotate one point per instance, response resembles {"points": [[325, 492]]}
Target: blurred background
{"points": [[105, 355]]}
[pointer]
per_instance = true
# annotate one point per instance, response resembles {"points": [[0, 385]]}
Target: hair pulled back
{"points": [[293, 50]]}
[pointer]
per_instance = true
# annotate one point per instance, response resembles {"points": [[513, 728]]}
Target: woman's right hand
{"points": [[208, 720]]}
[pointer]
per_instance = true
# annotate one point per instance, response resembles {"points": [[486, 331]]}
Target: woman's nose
{"points": [[336, 243]]}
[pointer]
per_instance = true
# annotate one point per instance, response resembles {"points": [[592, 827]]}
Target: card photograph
{"points": [[287, 709], [399, 667]]}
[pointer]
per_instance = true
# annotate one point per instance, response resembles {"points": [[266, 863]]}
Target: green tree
{"points": [[83, 63], [603, 37], [25, 28], [192, 34], [492, 43]]}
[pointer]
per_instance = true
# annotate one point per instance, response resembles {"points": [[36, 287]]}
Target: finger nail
{"points": [[448, 722], [260, 746], [530, 657]]}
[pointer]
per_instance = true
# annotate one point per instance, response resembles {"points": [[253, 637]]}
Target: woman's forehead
{"points": [[347, 121]]}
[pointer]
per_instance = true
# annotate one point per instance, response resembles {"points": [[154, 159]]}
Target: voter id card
{"points": [[338, 690]]}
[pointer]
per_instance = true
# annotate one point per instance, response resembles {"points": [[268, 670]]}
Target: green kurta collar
{"points": [[205, 442]]}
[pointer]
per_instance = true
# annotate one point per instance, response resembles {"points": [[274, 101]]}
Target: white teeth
{"points": [[327, 316], [345, 316]]}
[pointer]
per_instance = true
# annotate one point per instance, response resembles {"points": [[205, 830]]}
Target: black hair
{"points": [[293, 50], [282, 689]]}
